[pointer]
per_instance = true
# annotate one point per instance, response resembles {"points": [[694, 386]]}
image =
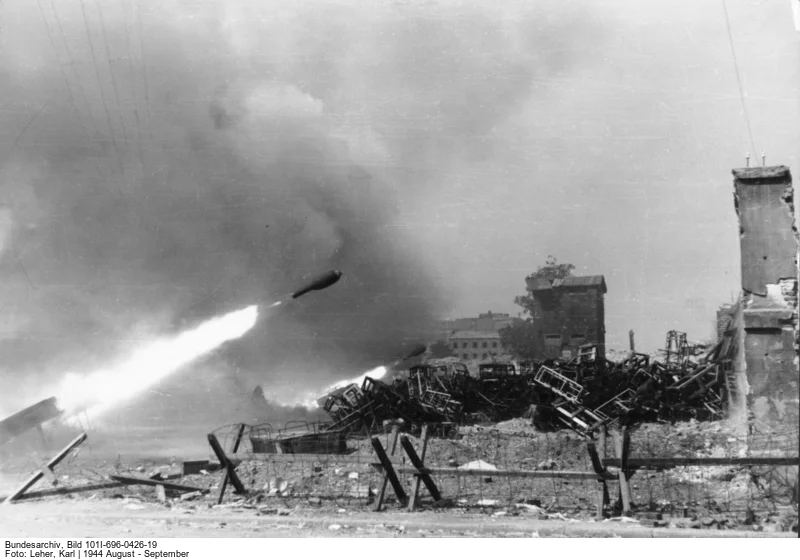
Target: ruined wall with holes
{"points": [[566, 318], [769, 301]]}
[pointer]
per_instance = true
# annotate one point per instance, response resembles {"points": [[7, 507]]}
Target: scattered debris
{"points": [[48, 468], [582, 394], [195, 467], [161, 494]]}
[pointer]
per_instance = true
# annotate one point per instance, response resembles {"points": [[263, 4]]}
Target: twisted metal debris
{"points": [[582, 394]]}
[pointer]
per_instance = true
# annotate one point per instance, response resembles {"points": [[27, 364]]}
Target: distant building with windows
{"points": [[483, 322], [475, 345]]}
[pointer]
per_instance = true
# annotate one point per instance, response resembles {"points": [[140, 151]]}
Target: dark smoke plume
{"points": [[187, 161]]}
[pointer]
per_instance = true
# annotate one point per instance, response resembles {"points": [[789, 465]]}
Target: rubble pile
{"points": [[582, 394]]}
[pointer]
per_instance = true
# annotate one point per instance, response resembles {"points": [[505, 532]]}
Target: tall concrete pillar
{"points": [[769, 301]]}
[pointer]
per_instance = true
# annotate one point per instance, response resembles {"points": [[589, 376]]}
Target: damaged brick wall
{"points": [[769, 301], [568, 315]]}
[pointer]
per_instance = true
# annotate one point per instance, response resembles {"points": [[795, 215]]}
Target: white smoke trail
{"points": [[100, 391]]}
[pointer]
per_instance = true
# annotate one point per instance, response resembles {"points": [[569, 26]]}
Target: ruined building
{"points": [[766, 317], [568, 313], [725, 317]]}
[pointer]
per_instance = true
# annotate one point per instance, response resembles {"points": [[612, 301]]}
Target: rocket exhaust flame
{"points": [[376, 373], [310, 400], [99, 391]]}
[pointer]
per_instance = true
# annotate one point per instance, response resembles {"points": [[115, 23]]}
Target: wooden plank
{"points": [[132, 480], [50, 464], [351, 459], [597, 465], [227, 465], [415, 460], [624, 490], [644, 462], [415, 494], [601, 453], [445, 471], [399, 466], [389, 469], [385, 482]]}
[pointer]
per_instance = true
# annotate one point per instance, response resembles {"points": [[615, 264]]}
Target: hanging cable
{"points": [[144, 71], [73, 65], [738, 77], [132, 80], [111, 71], [70, 96], [100, 85]]}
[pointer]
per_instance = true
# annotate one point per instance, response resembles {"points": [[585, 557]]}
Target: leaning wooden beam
{"points": [[235, 449], [50, 464], [417, 462], [602, 489], [622, 444], [226, 464], [601, 453], [640, 462], [415, 493], [385, 482], [389, 469], [132, 480]]}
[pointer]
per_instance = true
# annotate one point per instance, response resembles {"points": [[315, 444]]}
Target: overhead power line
{"points": [[111, 70], [738, 77], [100, 85]]}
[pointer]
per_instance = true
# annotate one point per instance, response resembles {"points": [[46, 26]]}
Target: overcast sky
{"points": [[164, 160]]}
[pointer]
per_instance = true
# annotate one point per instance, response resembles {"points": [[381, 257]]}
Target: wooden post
{"points": [[50, 464], [622, 443], [419, 465], [602, 488], [235, 449], [382, 493], [417, 479], [389, 470], [226, 464], [603, 436]]}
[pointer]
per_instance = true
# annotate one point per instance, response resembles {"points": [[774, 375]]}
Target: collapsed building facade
{"points": [[765, 319]]}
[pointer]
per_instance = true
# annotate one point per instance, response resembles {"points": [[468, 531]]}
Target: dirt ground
{"points": [[334, 499], [86, 518]]}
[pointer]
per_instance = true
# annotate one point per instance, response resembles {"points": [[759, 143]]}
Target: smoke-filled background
{"points": [[164, 162]]}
